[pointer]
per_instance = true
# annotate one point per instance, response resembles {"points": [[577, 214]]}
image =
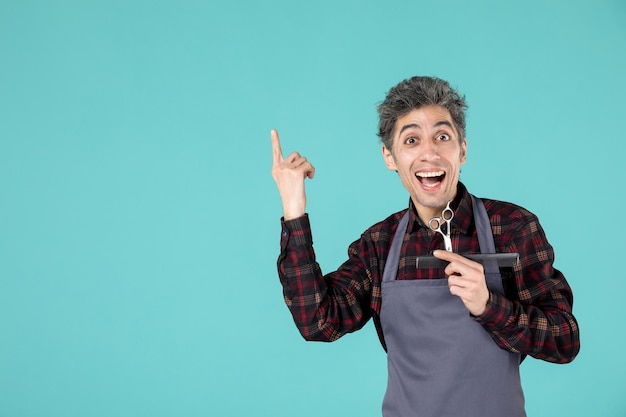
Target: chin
{"points": [[433, 201]]}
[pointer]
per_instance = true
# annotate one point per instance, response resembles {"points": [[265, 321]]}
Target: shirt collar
{"points": [[461, 205]]}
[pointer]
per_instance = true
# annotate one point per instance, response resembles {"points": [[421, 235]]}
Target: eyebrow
{"points": [[415, 125]]}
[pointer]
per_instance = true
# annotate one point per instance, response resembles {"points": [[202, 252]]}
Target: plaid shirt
{"points": [[534, 317]]}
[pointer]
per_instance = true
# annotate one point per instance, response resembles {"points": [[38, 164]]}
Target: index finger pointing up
{"points": [[277, 153]]}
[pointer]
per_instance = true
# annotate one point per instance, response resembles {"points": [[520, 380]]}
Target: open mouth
{"points": [[430, 179]]}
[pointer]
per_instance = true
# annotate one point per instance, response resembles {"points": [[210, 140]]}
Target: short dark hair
{"points": [[416, 92]]}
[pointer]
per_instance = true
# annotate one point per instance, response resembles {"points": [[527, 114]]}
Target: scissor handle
{"points": [[447, 214], [435, 220]]}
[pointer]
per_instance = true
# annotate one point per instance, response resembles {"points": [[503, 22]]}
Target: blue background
{"points": [[139, 223]]}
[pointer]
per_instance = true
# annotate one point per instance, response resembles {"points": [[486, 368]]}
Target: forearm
{"points": [[324, 308], [546, 330], [534, 317]]}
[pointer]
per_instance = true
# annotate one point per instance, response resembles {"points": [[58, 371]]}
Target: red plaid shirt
{"points": [[534, 317]]}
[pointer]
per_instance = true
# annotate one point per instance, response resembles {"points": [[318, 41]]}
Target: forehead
{"points": [[425, 117]]}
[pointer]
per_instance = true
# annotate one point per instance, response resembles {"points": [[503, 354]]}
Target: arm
{"points": [[323, 307], [539, 321]]}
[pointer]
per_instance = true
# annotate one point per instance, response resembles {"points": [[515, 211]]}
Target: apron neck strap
{"points": [[483, 229]]}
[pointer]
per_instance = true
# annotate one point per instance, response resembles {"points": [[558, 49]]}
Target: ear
{"points": [[463, 152], [389, 159]]}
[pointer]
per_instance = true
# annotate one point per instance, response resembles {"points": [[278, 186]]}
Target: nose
{"points": [[429, 151]]}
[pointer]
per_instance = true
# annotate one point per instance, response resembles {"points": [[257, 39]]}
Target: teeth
{"points": [[429, 174]]}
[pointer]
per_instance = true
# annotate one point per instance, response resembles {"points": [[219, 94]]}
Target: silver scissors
{"points": [[435, 225]]}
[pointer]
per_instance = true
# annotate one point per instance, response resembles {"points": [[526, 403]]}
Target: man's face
{"points": [[428, 156]]}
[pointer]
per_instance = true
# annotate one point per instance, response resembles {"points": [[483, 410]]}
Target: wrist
{"points": [[293, 212]]}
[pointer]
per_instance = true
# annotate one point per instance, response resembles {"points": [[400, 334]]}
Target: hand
{"points": [[466, 280], [289, 174]]}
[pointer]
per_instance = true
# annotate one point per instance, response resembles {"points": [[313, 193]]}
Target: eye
{"points": [[443, 137], [410, 140]]}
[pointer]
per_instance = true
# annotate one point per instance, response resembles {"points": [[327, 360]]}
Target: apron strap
{"points": [[485, 236], [393, 259], [483, 229]]}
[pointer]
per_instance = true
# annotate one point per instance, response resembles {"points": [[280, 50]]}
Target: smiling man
{"points": [[454, 335]]}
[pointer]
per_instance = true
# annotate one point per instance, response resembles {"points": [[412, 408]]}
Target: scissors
{"points": [[435, 225]]}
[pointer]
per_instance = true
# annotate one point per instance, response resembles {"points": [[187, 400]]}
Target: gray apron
{"points": [[441, 363]]}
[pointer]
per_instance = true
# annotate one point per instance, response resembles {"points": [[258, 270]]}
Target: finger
{"points": [[455, 264], [277, 153], [295, 159], [310, 172], [457, 281], [448, 256], [453, 270], [301, 163], [456, 258], [467, 272]]}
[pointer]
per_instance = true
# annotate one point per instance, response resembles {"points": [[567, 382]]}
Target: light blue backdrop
{"points": [[139, 224]]}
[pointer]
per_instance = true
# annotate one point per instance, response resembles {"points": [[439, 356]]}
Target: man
{"points": [[454, 335]]}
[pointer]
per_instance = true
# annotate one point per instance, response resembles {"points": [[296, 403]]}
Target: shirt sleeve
{"points": [[324, 307], [537, 319]]}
